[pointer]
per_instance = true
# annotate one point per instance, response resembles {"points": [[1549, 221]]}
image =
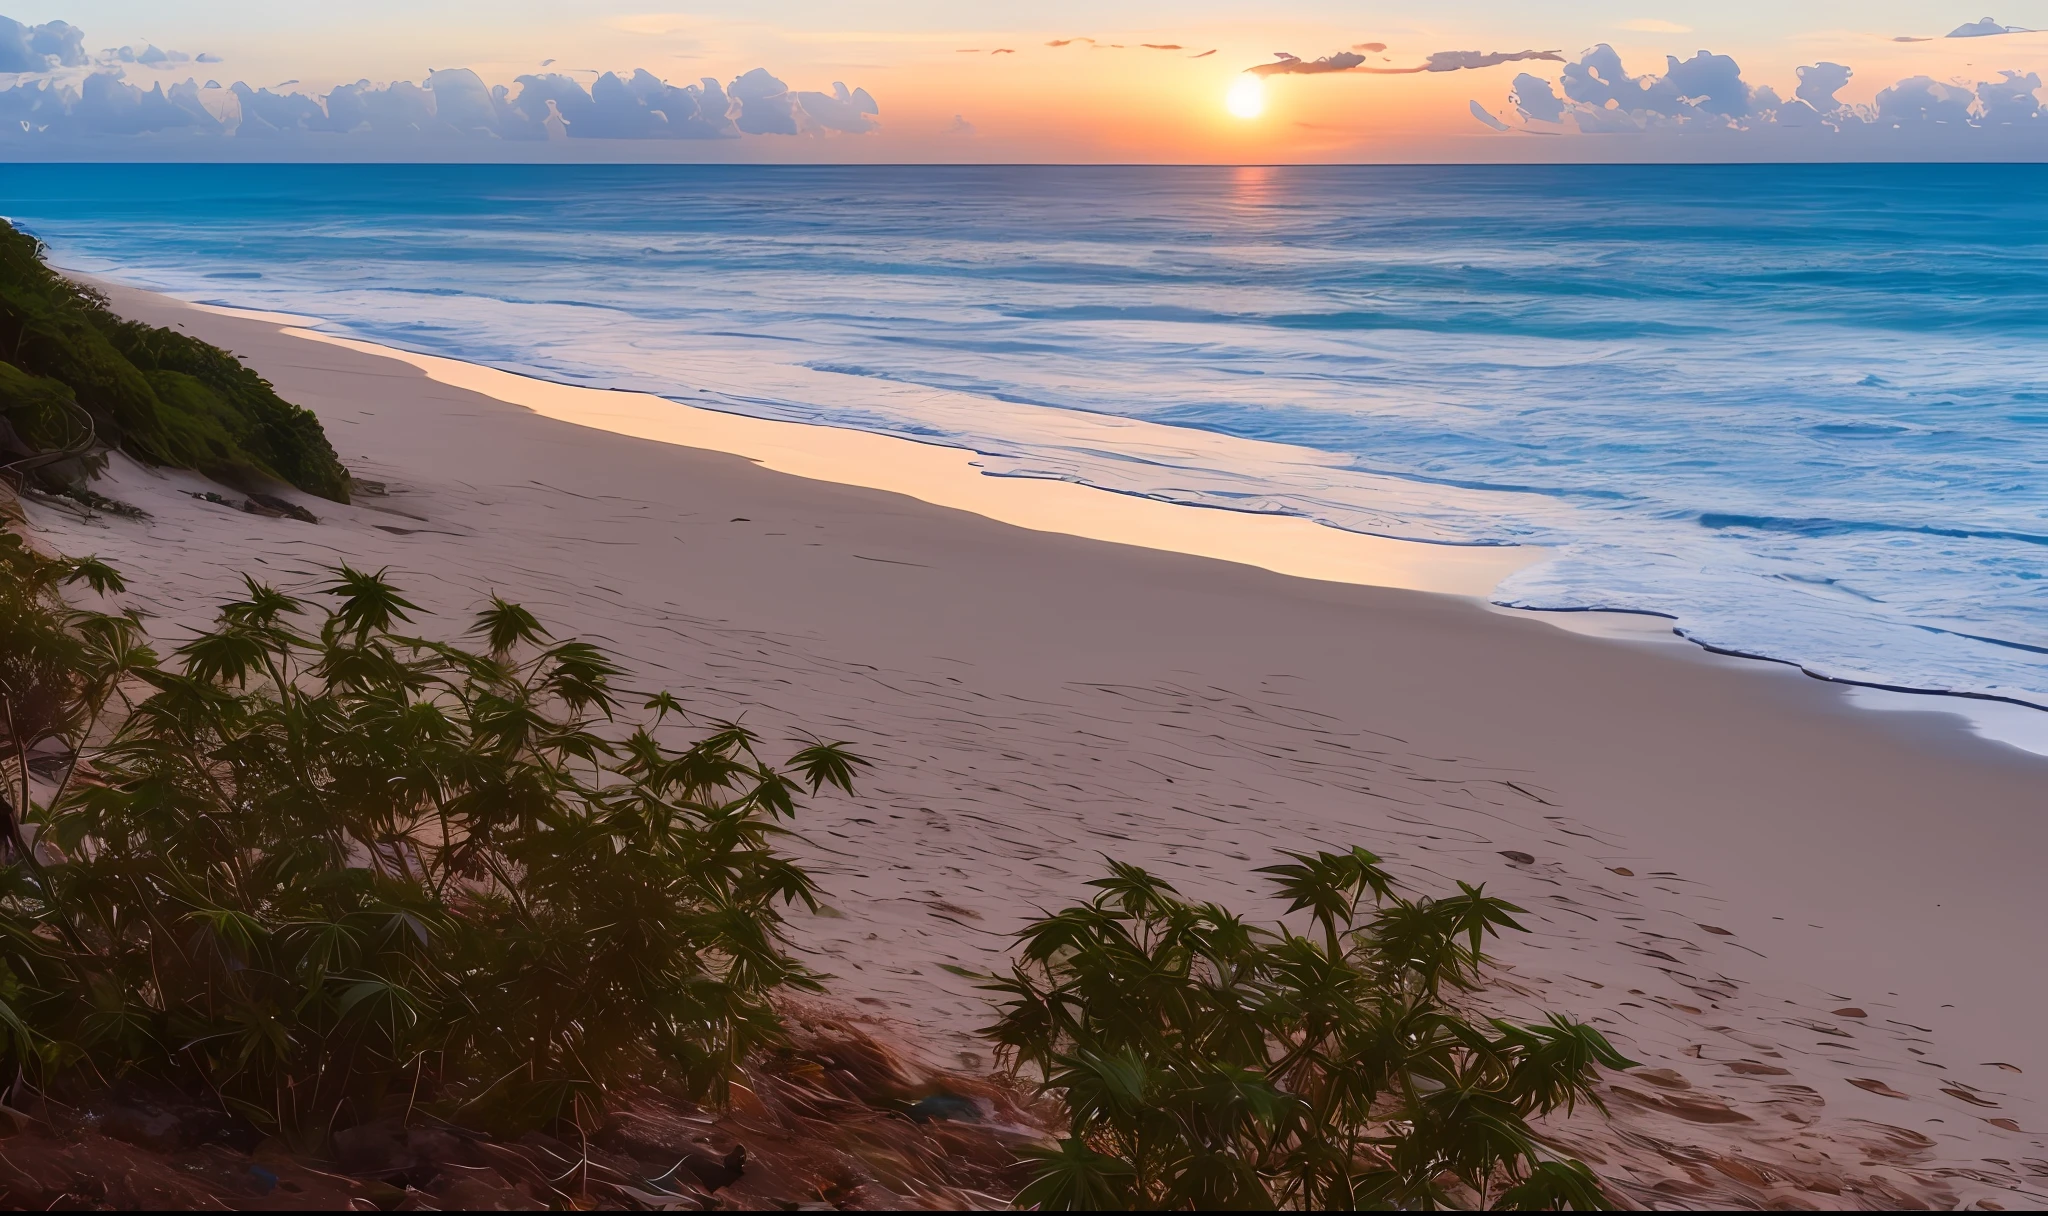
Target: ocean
{"points": [[1800, 410]]}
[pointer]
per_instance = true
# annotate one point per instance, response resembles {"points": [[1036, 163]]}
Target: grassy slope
{"points": [[156, 394]]}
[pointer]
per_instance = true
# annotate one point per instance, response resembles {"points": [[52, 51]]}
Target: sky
{"points": [[1198, 81]]}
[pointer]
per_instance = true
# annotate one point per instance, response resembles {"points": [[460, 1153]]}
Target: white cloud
{"points": [[451, 103], [1924, 99], [851, 113], [2009, 100], [1534, 100], [766, 106], [39, 48], [1708, 93], [1818, 84], [108, 105], [1705, 86]]}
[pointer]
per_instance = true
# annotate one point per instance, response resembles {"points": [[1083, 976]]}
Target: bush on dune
{"points": [[321, 868], [72, 373], [1206, 1063]]}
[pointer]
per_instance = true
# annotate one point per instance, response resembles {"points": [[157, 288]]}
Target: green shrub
{"points": [[40, 412], [321, 867], [1206, 1063], [161, 396]]}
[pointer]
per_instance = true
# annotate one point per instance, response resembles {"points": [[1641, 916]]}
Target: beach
{"points": [[1814, 925]]}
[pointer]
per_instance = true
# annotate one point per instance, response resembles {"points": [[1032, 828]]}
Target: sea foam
{"points": [[1803, 411]]}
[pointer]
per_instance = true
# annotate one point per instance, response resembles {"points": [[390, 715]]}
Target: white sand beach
{"points": [[1816, 926]]}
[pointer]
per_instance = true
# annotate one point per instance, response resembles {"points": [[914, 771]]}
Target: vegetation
{"points": [[324, 870], [1205, 1063], [74, 378]]}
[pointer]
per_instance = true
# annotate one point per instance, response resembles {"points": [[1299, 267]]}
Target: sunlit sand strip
{"points": [[950, 477], [257, 314]]}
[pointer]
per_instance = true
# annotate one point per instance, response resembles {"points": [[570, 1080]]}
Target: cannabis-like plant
{"points": [[1207, 1063], [319, 867]]}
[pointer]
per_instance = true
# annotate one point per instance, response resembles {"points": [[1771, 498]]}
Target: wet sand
{"points": [[1817, 925]]}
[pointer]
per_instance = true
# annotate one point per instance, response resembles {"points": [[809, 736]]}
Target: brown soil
{"points": [[837, 1120]]}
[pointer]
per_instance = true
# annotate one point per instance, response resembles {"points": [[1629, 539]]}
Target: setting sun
{"points": [[1247, 98]]}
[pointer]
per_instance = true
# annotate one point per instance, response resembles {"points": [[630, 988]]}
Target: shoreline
{"points": [[1284, 544], [1775, 900], [948, 476], [2007, 721]]}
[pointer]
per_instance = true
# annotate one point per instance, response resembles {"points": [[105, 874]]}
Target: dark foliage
{"points": [[324, 871], [73, 375], [1206, 1063]]}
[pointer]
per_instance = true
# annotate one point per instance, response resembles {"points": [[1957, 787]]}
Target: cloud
{"points": [[959, 128], [1706, 84], [2008, 100], [640, 106], [1351, 61], [1708, 93], [1533, 99], [766, 106], [1479, 112], [1819, 83], [108, 105], [460, 102], [450, 104], [206, 57], [1457, 61], [39, 48], [851, 113], [1374, 47], [1294, 65], [1985, 28], [150, 56], [1920, 99], [1118, 46]]}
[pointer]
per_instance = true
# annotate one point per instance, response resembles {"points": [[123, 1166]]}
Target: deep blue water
{"points": [[1803, 410]]}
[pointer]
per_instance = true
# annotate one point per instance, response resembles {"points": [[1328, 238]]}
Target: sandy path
{"points": [[1727, 860]]}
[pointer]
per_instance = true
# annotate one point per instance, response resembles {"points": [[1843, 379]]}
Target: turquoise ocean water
{"points": [[1801, 410]]}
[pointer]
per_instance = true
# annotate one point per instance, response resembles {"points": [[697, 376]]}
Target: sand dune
{"points": [[1816, 926]]}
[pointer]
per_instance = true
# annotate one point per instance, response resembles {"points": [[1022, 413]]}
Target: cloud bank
{"points": [[1595, 94], [449, 104], [61, 92], [452, 104]]}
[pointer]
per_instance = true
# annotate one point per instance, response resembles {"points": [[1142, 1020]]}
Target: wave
{"points": [[1692, 387]]}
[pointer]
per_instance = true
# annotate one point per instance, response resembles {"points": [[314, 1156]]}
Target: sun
{"points": [[1247, 98]]}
